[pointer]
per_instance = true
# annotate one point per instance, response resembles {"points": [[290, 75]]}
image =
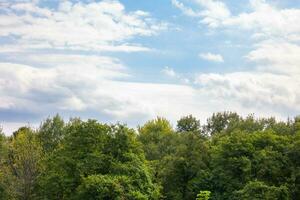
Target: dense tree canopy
{"points": [[228, 157]]}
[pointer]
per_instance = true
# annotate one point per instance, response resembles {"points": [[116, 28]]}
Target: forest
{"points": [[228, 157]]}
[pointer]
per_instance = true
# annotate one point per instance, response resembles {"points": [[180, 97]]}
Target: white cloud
{"points": [[212, 13], [277, 56], [271, 86], [179, 78], [42, 91], [50, 59], [211, 57], [10, 127], [187, 11], [258, 90], [59, 88], [98, 26], [34, 84], [263, 19], [267, 20], [169, 72], [275, 33]]}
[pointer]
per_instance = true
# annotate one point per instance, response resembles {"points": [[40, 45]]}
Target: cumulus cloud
{"points": [[38, 91], [253, 89], [212, 12], [276, 56], [263, 19], [99, 26], [169, 72], [267, 20], [53, 63], [50, 59], [211, 57], [187, 11], [272, 84]]}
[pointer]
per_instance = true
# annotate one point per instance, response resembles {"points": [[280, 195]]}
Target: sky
{"points": [[129, 61]]}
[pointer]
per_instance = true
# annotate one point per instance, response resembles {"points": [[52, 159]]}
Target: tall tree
{"points": [[24, 158], [222, 121], [157, 137], [257, 190], [186, 171], [4, 193], [97, 161], [51, 132], [188, 124]]}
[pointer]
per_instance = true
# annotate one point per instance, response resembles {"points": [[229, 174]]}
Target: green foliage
{"points": [[50, 133], [22, 169], [157, 137], [231, 156], [257, 190], [184, 172], [3, 158], [90, 153], [188, 124], [203, 195], [221, 121], [296, 125], [104, 187]]}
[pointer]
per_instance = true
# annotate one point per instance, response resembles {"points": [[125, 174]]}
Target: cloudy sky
{"points": [[133, 60]]}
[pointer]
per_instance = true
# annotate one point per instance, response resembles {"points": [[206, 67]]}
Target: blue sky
{"points": [[132, 60]]}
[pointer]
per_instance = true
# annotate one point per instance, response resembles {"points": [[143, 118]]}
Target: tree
{"points": [[94, 158], [24, 156], [239, 158], [51, 132], [203, 195], [107, 187], [225, 121], [188, 124], [156, 136], [270, 161], [296, 124], [256, 190], [230, 163], [294, 165], [158, 141], [185, 172], [3, 168]]}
